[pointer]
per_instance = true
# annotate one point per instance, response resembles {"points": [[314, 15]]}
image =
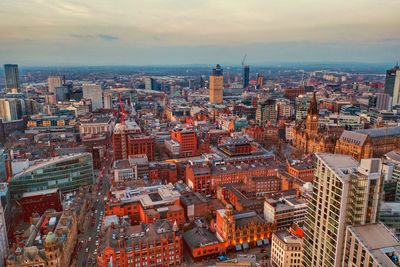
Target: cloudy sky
{"points": [[133, 32]]}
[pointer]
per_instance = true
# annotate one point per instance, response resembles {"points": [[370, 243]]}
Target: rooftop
{"points": [[34, 165], [149, 197], [378, 240], [381, 132], [341, 165], [287, 237], [136, 237], [199, 237]]}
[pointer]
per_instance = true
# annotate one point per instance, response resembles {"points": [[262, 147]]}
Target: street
{"points": [[87, 240]]}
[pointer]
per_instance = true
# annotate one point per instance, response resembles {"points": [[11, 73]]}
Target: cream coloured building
{"points": [[345, 192], [286, 249], [371, 245]]}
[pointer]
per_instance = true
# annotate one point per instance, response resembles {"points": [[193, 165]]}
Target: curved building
{"points": [[67, 173]]}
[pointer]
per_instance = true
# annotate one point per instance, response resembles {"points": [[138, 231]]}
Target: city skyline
{"points": [[171, 32]]}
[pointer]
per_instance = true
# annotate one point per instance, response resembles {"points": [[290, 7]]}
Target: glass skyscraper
{"points": [[246, 76], [12, 77]]}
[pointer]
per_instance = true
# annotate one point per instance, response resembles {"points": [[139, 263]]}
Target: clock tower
{"points": [[312, 117]]}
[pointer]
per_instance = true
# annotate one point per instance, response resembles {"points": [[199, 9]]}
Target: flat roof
{"points": [[378, 240], [199, 237], [286, 237], [341, 165], [41, 192]]}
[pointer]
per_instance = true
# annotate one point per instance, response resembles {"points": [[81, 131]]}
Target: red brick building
{"points": [[301, 170], [206, 179], [187, 139], [155, 244], [234, 194], [292, 93], [165, 171], [147, 204], [39, 202], [195, 205], [141, 144], [120, 138]]}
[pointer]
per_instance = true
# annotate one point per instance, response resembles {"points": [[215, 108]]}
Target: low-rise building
{"points": [[286, 249], [155, 244], [50, 241], [68, 173], [283, 212], [241, 230], [201, 243]]}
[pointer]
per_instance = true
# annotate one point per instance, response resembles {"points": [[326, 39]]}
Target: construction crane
{"points": [[121, 105], [244, 58]]}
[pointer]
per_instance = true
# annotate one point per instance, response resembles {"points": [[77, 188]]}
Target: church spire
{"points": [[313, 109]]}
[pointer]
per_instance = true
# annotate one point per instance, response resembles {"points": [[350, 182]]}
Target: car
{"points": [[97, 242], [87, 250], [263, 250], [90, 238]]}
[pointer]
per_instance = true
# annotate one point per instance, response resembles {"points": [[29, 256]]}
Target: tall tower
{"points": [[246, 76], [54, 82], [312, 117], [345, 192], [94, 93], [12, 77], [216, 85], [392, 84]]}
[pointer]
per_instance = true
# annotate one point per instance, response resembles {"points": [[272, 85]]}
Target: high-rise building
{"points": [[371, 245], [62, 93], [392, 84], [150, 84], [383, 101], [12, 108], [246, 76], [107, 100], [216, 85], [12, 77], [94, 93], [345, 192], [260, 81], [266, 112], [53, 82]]}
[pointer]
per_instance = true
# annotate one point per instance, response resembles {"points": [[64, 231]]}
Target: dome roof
{"points": [[51, 237]]}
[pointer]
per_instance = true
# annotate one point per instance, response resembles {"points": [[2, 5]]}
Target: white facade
{"points": [[173, 147], [94, 93], [396, 90], [344, 193]]}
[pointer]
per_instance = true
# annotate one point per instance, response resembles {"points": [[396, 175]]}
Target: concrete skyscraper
{"points": [[216, 85], [150, 84], [392, 84], [53, 82], [12, 77], [94, 93], [345, 192], [246, 76], [260, 81]]}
